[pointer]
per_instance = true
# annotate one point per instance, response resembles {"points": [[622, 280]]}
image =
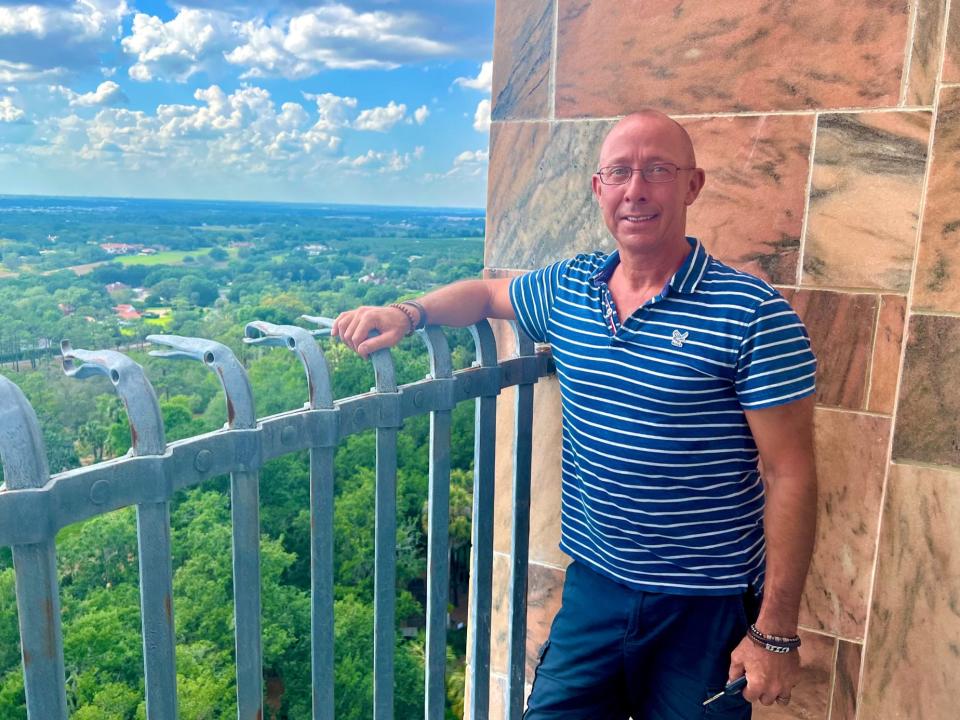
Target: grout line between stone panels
{"points": [[903, 354], [908, 51], [840, 289], [833, 678], [756, 113], [937, 313], [552, 84], [806, 199], [824, 633], [852, 411]]}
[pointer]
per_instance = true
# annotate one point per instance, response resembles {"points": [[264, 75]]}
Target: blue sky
{"points": [[359, 101]]}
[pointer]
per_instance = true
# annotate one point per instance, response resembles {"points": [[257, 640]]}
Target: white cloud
{"points": [[483, 81], [382, 162], [8, 111], [332, 110], [421, 114], [481, 118], [175, 50], [41, 40], [107, 93], [471, 156], [381, 119], [332, 36]]}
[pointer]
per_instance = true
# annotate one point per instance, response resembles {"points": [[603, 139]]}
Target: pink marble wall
{"points": [[830, 136]]}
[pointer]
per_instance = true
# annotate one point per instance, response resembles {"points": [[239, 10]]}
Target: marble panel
{"points": [[500, 614], [750, 212], [851, 452], [730, 55], [498, 689], [540, 205], [912, 656], [865, 199], [522, 46], [810, 698], [885, 367], [928, 416], [841, 333], [846, 681], [937, 283], [951, 60], [925, 50], [544, 591]]}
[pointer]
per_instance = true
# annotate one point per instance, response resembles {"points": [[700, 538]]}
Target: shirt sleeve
{"points": [[532, 298], [776, 363]]}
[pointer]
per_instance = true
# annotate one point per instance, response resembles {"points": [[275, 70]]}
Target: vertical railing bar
{"points": [[438, 565], [35, 565], [302, 343], [385, 539], [321, 572], [520, 539], [481, 556], [245, 515], [153, 524], [438, 538]]}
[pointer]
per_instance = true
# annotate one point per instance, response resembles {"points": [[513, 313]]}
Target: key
{"points": [[732, 688]]}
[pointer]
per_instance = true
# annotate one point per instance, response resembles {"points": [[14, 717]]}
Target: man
{"points": [[677, 375]]}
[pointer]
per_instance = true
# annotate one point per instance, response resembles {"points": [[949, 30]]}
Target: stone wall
{"points": [[830, 135]]}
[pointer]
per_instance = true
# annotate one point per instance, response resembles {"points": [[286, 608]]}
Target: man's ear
{"points": [[597, 187], [697, 179]]}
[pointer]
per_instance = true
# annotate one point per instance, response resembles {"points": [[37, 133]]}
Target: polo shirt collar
{"points": [[685, 280]]}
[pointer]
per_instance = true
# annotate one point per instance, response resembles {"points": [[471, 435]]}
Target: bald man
{"points": [[678, 375]]}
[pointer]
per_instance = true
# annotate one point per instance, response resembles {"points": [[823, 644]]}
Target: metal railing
{"points": [[34, 506]]}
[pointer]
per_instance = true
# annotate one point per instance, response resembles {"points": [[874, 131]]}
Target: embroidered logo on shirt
{"points": [[678, 338]]}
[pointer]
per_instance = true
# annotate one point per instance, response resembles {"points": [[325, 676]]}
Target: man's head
{"points": [[643, 214]]}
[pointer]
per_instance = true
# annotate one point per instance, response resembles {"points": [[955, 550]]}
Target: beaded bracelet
{"points": [[423, 313], [409, 316], [773, 643]]}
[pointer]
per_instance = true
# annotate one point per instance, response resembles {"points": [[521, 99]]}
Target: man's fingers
{"points": [[736, 670], [378, 342]]}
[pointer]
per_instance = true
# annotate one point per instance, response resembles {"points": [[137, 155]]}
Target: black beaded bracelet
{"points": [[423, 313], [773, 643]]}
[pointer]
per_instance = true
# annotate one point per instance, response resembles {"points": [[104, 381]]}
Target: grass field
{"points": [[171, 257]]}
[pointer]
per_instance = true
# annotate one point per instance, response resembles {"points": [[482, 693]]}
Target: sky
{"points": [[383, 102]]}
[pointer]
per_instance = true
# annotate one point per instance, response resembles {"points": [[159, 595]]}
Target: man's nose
{"points": [[636, 187]]}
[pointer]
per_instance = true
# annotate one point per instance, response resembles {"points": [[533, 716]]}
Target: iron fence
{"points": [[34, 506]]}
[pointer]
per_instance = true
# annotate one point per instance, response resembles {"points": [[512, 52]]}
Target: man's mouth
{"points": [[639, 218]]}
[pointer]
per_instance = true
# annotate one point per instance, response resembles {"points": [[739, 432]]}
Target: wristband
{"points": [[409, 316], [423, 313], [773, 643]]}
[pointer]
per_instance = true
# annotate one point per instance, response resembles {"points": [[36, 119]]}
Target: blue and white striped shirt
{"points": [[660, 485]]}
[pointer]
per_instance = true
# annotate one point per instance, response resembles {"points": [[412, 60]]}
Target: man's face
{"points": [[642, 215]]}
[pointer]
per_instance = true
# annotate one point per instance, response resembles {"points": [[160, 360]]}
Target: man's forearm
{"points": [[789, 524], [464, 303]]}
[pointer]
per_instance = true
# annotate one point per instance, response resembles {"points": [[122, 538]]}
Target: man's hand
{"points": [[354, 327], [770, 676]]}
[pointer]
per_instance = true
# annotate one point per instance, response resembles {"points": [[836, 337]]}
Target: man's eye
{"points": [[658, 170], [618, 172]]}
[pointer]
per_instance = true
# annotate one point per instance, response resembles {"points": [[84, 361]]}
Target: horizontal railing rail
{"points": [[34, 506]]}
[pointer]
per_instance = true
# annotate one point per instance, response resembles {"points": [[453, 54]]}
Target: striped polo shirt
{"points": [[660, 485]]}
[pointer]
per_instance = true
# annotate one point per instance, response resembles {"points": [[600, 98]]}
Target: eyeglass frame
{"points": [[642, 171]]}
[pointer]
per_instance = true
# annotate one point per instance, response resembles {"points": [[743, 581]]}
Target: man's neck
{"points": [[645, 273]]}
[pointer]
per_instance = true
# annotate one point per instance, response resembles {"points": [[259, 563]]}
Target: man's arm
{"points": [[784, 437], [459, 304]]}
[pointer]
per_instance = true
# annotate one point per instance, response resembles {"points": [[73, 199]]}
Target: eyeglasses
{"points": [[656, 173]]}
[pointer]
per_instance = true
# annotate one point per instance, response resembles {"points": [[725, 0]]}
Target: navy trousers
{"points": [[616, 653]]}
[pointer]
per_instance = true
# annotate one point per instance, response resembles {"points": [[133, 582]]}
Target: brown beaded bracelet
{"points": [[409, 316]]}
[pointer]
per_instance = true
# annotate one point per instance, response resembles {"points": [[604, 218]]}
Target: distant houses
{"points": [[112, 248], [126, 312]]}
